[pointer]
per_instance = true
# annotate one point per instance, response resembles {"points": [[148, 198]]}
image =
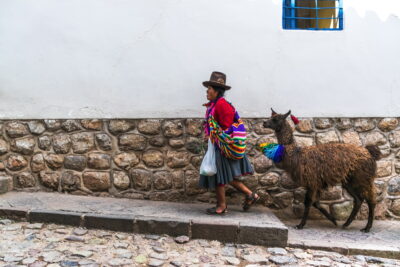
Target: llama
{"points": [[317, 167]]}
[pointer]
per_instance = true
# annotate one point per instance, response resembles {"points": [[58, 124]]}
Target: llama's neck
{"points": [[285, 135], [286, 138]]}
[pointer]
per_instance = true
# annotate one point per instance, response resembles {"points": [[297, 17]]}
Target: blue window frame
{"points": [[313, 15]]}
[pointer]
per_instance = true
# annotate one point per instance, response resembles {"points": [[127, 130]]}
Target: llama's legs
{"points": [[308, 200], [371, 211], [356, 206], [371, 201], [325, 212]]}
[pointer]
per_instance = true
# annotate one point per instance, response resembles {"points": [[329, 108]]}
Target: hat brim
{"points": [[211, 83]]}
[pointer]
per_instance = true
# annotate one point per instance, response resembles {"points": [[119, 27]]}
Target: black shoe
{"points": [[213, 211], [250, 200]]}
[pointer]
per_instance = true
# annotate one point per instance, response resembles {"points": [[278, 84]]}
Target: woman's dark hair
{"points": [[220, 91]]}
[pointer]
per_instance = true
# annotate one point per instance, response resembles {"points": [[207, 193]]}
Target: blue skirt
{"points": [[227, 170]]}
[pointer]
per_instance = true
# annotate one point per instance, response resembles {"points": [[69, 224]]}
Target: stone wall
{"points": [[158, 159]]}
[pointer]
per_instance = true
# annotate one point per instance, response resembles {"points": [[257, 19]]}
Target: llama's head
{"points": [[277, 121], [281, 126]]}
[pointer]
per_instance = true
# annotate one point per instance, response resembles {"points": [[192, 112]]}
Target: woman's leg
{"points": [[242, 188], [221, 201]]}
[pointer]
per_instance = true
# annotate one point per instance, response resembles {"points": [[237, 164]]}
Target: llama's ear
{"points": [[287, 114], [273, 112]]}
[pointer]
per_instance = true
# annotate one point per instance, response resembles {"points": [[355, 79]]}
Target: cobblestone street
{"points": [[33, 245]]}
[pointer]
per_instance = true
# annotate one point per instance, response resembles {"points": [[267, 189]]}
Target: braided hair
{"points": [[220, 91]]}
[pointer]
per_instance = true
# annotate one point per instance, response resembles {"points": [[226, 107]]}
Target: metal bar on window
{"points": [[308, 18], [316, 14], [340, 15], [299, 7], [293, 14], [315, 29]]}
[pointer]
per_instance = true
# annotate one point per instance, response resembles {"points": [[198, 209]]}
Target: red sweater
{"points": [[224, 113]]}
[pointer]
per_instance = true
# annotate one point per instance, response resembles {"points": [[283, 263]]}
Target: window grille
{"points": [[313, 14]]}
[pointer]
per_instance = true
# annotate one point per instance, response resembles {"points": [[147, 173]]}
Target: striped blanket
{"points": [[232, 142]]}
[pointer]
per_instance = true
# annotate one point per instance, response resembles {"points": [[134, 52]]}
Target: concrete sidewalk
{"points": [[258, 227]]}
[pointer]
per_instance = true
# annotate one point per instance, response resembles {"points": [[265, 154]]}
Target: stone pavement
{"points": [[37, 245], [259, 226]]}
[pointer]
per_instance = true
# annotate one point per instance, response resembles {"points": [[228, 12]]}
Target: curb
{"points": [[57, 217], [224, 231], [348, 248]]}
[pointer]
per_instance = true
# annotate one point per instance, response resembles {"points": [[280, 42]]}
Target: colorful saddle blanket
{"points": [[273, 151]]}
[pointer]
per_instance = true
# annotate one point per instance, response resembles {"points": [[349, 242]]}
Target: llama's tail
{"points": [[374, 151]]}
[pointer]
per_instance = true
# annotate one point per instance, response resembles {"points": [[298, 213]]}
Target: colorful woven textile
{"points": [[231, 142], [273, 151]]}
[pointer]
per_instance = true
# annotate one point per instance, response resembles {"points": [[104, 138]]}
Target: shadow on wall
{"points": [[384, 10], [357, 76]]}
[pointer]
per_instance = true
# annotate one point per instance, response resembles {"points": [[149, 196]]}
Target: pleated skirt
{"points": [[227, 171]]}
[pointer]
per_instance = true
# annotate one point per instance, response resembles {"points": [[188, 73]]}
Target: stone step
{"points": [[259, 226]]}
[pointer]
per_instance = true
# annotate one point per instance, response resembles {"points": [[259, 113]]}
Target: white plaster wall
{"points": [[147, 58]]}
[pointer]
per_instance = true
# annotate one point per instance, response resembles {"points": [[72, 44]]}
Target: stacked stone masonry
{"points": [[158, 159]]}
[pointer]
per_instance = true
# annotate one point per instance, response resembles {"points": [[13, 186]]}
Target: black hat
{"points": [[217, 79]]}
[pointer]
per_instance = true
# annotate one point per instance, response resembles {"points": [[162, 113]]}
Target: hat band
{"points": [[220, 81]]}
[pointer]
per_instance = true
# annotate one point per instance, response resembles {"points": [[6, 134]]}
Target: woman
{"points": [[228, 171]]}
